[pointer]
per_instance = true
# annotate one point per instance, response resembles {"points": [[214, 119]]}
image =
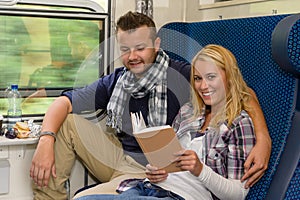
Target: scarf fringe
{"points": [[114, 120]]}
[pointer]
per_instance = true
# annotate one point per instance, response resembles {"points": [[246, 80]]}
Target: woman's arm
{"points": [[257, 161], [240, 140], [221, 187]]}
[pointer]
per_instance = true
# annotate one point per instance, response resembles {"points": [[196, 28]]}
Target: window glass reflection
{"points": [[44, 56]]}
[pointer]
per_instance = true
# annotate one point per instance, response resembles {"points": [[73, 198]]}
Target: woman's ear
{"points": [[157, 44]]}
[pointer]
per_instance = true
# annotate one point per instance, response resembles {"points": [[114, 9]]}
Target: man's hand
{"points": [[258, 159], [257, 162], [42, 165]]}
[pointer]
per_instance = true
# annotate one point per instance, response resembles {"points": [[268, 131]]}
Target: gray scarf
{"points": [[154, 82]]}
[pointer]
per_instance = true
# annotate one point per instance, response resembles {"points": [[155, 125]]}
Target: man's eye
{"points": [[140, 48], [124, 50]]}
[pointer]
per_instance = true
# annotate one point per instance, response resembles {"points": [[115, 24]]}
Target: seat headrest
{"points": [[286, 44]]}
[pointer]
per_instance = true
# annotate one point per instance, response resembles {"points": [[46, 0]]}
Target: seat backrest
{"points": [[286, 52], [250, 40]]}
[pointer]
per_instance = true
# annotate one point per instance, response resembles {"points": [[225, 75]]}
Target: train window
{"points": [[45, 52]]}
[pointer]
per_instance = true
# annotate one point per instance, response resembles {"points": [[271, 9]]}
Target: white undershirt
{"points": [[191, 187]]}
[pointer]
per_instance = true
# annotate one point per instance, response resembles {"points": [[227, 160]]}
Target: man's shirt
{"points": [[97, 95]]}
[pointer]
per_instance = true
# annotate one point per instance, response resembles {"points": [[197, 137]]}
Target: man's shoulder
{"points": [[119, 69], [179, 65], [113, 76], [184, 68]]}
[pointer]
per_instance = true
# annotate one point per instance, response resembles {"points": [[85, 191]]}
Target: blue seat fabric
{"points": [[271, 69], [250, 40]]}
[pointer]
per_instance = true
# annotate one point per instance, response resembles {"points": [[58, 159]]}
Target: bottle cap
{"points": [[14, 86]]}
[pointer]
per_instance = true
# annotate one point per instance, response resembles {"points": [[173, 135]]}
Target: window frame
{"points": [[218, 4], [90, 10]]}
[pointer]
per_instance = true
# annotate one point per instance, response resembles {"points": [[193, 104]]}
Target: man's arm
{"points": [[258, 159], [42, 166]]}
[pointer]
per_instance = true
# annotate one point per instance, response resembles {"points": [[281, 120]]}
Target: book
{"points": [[158, 143]]}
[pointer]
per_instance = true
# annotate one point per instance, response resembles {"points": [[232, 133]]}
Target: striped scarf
{"points": [[154, 82]]}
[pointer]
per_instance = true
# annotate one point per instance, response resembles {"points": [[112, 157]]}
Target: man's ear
{"points": [[157, 44]]}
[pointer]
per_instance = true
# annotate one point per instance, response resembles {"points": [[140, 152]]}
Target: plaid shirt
{"points": [[224, 149]]}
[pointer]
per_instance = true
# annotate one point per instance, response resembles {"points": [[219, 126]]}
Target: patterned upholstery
{"points": [[250, 41], [286, 52], [293, 191]]}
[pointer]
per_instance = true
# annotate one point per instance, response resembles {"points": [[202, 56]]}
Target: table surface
{"points": [[5, 141]]}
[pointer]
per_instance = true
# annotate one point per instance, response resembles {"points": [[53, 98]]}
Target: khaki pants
{"points": [[98, 149]]}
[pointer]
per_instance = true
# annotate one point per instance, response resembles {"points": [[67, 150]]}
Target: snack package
{"points": [[22, 129]]}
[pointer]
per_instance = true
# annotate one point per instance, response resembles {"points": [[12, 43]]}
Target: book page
{"points": [[137, 121], [154, 128], [159, 148], [158, 143]]}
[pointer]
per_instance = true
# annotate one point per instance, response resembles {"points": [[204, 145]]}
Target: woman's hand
{"points": [[188, 160], [155, 175]]}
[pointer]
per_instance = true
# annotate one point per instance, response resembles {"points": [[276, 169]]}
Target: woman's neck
{"points": [[207, 116]]}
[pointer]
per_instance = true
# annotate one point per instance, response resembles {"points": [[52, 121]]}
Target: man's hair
{"points": [[133, 20]]}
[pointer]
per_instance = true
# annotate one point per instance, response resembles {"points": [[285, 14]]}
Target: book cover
{"points": [[158, 143]]}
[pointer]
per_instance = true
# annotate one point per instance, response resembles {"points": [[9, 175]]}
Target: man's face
{"points": [[138, 52]]}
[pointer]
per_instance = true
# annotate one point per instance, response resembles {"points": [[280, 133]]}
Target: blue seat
{"points": [[268, 53], [286, 52], [275, 81]]}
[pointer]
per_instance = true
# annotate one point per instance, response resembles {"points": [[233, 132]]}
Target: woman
{"points": [[215, 131]]}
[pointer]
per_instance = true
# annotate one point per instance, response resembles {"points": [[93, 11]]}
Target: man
{"points": [[150, 83]]}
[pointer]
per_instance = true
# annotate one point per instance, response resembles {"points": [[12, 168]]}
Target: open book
{"points": [[158, 143]]}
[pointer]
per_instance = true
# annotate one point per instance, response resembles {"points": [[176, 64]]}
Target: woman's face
{"points": [[210, 83]]}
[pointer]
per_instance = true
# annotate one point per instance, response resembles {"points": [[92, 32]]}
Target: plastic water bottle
{"points": [[14, 111]]}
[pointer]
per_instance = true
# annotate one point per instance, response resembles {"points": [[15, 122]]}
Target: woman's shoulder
{"points": [[243, 119], [243, 115], [187, 108]]}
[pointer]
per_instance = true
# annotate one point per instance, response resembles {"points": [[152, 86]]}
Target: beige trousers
{"points": [[98, 149]]}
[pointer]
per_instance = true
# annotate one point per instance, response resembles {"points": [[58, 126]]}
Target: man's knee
{"points": [[53, 191]]}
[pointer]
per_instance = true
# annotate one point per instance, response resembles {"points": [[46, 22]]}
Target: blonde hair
{"points": [[237, 94]]}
